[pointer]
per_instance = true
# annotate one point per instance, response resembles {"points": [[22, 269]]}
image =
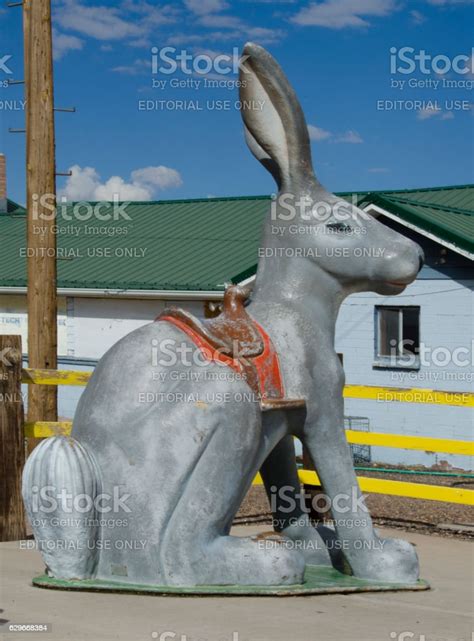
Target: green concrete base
{"points": [[318, 580]]}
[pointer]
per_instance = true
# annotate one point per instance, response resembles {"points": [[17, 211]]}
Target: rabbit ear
{"points": [[277, 131], [261, 155]]}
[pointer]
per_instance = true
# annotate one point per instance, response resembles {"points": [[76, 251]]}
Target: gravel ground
{"points": [[444, 519]]}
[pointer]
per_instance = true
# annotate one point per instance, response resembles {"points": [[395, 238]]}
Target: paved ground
{"points": [[444, 613]]}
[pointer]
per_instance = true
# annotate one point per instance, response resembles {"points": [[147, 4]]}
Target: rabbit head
{"points": [[350, 246]]}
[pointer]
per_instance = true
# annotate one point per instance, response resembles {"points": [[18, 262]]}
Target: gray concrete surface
{"points": [[445, 613]]}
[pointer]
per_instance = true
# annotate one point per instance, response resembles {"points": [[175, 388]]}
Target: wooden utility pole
{"points": [[41, 190]]}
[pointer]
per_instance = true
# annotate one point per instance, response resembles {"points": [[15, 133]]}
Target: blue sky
{"points": [[337, 54]]}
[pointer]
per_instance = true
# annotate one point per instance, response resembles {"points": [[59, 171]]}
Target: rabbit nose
{"points": [[421, 258]]}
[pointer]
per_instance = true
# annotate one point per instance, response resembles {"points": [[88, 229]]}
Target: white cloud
{"points": [[140, 65], [206, 12], [240, 29], [113, 23], [417, 17], [427, 112], [446, 2], [85, 184], [433, 112], [62, 43], [263, 35], [179, 38], [202, 7], [160, 177], [102, 23], [153, 14], [339, 14], [351, 137], [221, 22], [260, 34], [316, 133]]}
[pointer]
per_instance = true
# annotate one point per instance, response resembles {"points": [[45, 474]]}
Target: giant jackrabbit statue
{"points": [[146, 488]]}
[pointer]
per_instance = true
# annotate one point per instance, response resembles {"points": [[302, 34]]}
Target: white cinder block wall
{"points": [[87, 328], [446, 308], [95, 324]]}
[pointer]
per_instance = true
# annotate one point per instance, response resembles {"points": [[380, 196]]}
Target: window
{"points": [[397, 337]]}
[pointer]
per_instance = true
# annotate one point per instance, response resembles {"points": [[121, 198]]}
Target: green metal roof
{"points": [[200, 244], [176, 245], [446, 212]]}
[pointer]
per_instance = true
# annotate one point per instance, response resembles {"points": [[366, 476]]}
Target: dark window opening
{"points": [[397, 336]]}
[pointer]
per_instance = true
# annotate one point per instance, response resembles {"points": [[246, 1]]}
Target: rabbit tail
{"points": [[61, 485]]}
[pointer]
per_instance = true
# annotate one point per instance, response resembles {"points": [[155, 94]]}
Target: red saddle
{"points": [[236, 340]]}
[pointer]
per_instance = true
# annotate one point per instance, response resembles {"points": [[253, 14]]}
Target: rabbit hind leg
{"points": [[197, 548]]}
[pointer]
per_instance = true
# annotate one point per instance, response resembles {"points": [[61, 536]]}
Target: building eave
{"points": [[376, 210], [152, 294]]}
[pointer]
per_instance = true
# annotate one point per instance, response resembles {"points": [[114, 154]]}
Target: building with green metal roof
{"points": [[200, 245], [118, 268]]}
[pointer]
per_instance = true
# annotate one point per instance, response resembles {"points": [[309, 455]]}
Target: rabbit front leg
{"points": [[368, 556], [280, 476]]}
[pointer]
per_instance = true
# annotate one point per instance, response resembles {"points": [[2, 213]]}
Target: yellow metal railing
{"points": [[44, 429]]}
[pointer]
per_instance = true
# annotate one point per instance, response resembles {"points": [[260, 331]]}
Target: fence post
{"points": [[12, 441]]}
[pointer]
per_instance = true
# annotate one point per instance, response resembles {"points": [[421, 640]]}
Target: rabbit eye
{"points": [[342, 227]]}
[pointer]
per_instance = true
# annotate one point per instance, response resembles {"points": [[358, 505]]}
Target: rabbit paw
{"points": [[393, 560]]}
